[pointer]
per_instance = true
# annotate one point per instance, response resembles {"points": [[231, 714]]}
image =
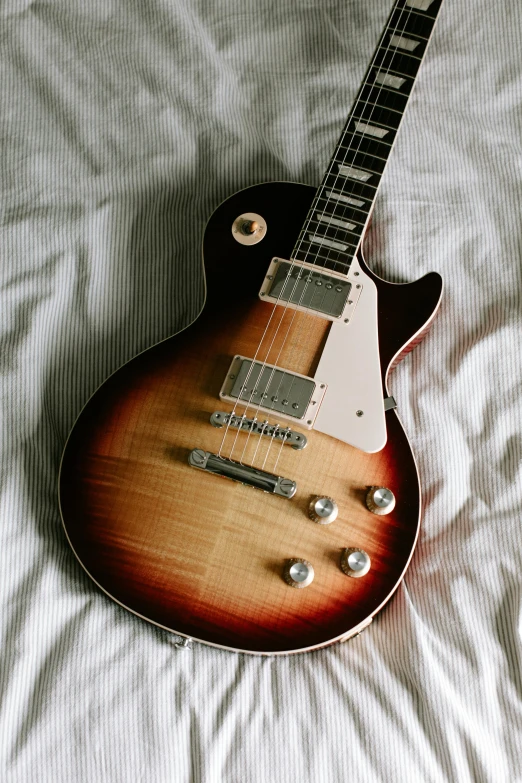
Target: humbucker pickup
{"points": [[265, 387], [306, 287]]}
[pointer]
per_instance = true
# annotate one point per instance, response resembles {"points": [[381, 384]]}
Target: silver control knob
{"points": [[380, 500], [323, 510], [355, 562], [298, 573]]}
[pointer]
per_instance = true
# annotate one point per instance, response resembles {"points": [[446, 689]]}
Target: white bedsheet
{"points": [[123, 125]]}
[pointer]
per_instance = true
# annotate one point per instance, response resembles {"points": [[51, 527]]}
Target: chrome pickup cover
{"points": [[273, 389], [306, 287], [290, 437]]}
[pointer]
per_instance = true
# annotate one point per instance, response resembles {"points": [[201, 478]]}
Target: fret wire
{"points": [[418, 13], [388, 59], [351, 160], [366, 121], [377, 157], [321, 251], [391, 90], [325, 258], [381, 141], [324, 236], [348, 220], [403, 53], [337, 237], [358, 168], [398, 73], [340, 204], [388, 108], [410, 34], [398, 55], [356, 181]]}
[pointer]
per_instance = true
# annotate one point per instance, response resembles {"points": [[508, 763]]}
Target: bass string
{"points": [[349, 149], [388, 29]]}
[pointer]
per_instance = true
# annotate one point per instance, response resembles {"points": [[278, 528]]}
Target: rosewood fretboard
{"points": [[340, 211]]}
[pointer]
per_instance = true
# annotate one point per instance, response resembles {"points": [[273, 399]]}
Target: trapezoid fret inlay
{"points": [[345, 198]]}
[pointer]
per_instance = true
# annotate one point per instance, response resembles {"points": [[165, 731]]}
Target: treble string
{"points": [[349, 149], [305, 287]]}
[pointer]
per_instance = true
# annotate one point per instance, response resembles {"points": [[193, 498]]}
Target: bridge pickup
{"points": [[252, 477], [273, 389], [310, 288], [281, 434]]}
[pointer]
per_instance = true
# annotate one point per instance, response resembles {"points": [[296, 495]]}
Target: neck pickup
{"points": [[312, 289]]}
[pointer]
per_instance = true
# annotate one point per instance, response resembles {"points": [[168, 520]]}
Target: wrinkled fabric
{"points": [[123, 126]]}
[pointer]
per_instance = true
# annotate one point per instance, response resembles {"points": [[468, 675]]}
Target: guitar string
{"points": [[391, 30], [400, 23], [351, 151], [388, 29]]}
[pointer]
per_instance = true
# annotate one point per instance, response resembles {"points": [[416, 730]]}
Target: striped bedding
{"points": [[123, 125]]}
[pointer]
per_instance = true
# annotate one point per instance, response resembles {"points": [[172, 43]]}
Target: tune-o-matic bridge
{"points": [[265, 387], [306, 287], [256, 427]]}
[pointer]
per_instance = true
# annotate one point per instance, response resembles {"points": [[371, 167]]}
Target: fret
{"points": [[406, 9], [344, 171], [430, 13], [343, 236], [323, 217], [317, 239], [403, 63], [331, 201], [389, 98], [377, 115], [393, 72], [354, 131], [350, 232], [339, 213], [330, 220], [330, 259], [365, 144], [412, 24], [354, 150], [380, 106], [403, 42], [351, 172], [370, 129], [372, 124], [421, 5], [424, 16], [337, 200], [387, 81], [349, 238], [352, 188], [396, 50], [361, 160]]}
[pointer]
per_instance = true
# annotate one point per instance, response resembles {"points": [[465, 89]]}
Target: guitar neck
{"points": [[340, 212]]}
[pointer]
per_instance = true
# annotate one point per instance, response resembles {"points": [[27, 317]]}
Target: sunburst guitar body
{"points": [[247, 482], [204, 555]]}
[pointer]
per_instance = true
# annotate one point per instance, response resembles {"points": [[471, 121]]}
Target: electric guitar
{"points": [[247, 483]]}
